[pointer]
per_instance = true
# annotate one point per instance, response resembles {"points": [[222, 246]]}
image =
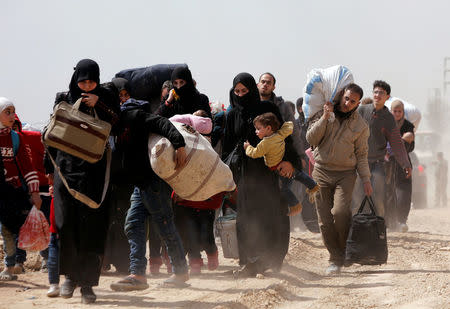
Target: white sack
{"points": [[412, 113], [322, 86], [204, 174]]}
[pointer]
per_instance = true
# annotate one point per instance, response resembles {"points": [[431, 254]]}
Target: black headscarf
{"points": [[86, 69], [251, 99], [121, 84], [188, 90]]}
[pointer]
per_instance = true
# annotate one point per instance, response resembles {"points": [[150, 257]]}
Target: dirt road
{"points": [[417, 275]]}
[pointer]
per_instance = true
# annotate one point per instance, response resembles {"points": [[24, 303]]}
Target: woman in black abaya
{"points": [[262, 223], [82, 230], [187, 99]]}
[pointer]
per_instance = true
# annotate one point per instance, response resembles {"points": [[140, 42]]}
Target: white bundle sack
{"points": [[322, 86], [204, 174], [412, 113]]}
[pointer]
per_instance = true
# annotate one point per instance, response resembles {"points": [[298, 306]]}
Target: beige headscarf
{"points": [[395, 104]]}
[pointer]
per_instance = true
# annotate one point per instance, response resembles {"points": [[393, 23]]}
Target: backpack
{"points": [[15, 141]]}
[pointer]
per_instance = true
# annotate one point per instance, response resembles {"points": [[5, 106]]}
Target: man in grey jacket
{"points": [[266, 86]]}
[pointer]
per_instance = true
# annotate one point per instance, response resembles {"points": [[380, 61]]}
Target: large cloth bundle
{"points": [[204, 174], [367, 242], [145, 83], [412, 113], [322, 86]]}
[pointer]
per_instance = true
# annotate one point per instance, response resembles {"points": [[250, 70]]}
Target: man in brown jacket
{"points": [[340, 149]]}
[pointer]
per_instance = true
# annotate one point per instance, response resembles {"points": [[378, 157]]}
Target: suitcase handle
{"points": [[371, 205], [78, 104]]}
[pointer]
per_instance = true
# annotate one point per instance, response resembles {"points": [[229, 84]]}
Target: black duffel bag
{"points": [[367, 242]]}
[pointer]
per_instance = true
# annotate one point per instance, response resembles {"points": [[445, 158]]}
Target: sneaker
{"points": [[44, 268], [403, 227], [177, 281], [333, 269], [53, 290], [67, 288], [18, 268], [87, 295]]}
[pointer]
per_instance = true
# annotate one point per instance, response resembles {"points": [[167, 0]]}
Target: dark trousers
{"points": [[287, 182], [196, 230]]}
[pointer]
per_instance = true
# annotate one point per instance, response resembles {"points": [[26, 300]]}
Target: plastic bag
{"points": [[34, 234], [322, 86]]}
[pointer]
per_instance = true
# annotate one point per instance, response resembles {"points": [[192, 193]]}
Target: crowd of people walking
{"points": [[338, 159]]}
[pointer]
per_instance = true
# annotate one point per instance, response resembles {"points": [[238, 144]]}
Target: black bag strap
{"points": [[367, 200]]}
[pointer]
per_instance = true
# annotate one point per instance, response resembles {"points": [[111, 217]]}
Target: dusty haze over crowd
{"points": [[403, 42]]}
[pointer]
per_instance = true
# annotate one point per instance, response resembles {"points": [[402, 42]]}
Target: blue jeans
{"points": [[9, 246], [287, 182], [377, 179], [154, 199], [53, 259]]}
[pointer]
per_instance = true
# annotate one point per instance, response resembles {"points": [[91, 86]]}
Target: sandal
{"points": [[5, 275], [129, 284]]}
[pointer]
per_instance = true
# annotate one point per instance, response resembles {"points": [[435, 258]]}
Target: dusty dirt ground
{"points": [[417, 275]]}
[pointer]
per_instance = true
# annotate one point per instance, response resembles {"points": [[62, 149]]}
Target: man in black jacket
{"points": [[151, 194]]}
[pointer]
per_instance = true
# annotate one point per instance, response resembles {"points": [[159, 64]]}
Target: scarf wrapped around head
{"points": [[249, 101], [396, 104], [188, 90], [86, 69], [4, 103]]}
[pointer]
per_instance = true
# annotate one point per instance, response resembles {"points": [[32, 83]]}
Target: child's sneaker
{"points": [[294, 210], [53, 291], [311, 193], [196, 266], [213, 260]]}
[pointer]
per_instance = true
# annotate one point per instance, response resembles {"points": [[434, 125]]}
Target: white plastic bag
{"points": [[34, 235], [322, 86], [412, 113], [204, 174]]}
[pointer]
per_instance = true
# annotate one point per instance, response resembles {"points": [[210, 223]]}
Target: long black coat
{"points": [[82, 230], [262, 221]]}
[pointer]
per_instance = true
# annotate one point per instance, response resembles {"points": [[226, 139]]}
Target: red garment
{"points": [[23, 161], [34, 140], [214, 202], [53, 228]]}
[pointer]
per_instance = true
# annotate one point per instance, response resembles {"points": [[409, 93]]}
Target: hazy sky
{"points": [[402, 42]]}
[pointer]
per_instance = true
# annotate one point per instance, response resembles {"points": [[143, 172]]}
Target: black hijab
{"points": [[121, 84], [86, 69], [188, 90], [248, 102]]}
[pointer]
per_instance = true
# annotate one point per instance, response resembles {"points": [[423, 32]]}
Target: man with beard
{"points": [[340, 149], [266, 86]]}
